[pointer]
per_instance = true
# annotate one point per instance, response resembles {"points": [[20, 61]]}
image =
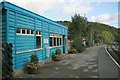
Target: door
{"points": [[63, 43]]}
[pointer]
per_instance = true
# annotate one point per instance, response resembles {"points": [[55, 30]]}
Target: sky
{"points": [[103, 11]]}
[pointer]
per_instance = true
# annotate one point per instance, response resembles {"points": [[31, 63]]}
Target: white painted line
{"points": [[112, 58]]}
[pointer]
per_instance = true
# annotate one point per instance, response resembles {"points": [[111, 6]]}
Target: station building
{"points": [[30, 34]]}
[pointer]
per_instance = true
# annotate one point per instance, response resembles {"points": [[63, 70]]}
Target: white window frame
{"points": [[30, 31], [25, 32], [59, 41], [56, 36], [56, 41]]}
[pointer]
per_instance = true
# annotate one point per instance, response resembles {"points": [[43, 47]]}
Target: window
{"points": [[32, 32], [28, 31], [60, 41], [18, 30], [50, 41], [24, 31], [55, 40], [38, 39], [38, 33]]}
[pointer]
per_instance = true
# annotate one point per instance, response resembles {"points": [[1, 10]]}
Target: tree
{"points": [[77, 31], [80, 28], [108, 37], [65, 23]]}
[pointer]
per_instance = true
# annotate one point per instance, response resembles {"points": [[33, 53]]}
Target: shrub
{"points": [[58, 51], [32, 65], [78, 45], [72, 50], [34, 59]]}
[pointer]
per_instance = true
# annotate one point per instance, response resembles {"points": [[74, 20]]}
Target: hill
{"points": [[98, 28]]}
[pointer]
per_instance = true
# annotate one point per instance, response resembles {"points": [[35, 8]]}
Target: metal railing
{"points": [[114, 52]]}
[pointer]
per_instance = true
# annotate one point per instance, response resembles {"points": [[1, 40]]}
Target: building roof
{"points": [[8, 5]]}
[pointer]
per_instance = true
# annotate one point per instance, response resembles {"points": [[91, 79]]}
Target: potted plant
{"points": [[33, 67], [57, 55]]}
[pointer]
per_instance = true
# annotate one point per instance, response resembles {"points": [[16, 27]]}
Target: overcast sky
{"points": [[104, 11]]}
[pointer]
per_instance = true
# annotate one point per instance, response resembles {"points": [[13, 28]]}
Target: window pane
{"points": [[28, 31], [50, 41], [54, 41], [38, 41], [31, 31], [18, 30], [60, 41], [37, 33], [57, 41], [23, 31]]}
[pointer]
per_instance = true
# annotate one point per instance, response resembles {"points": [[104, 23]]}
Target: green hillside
{"points": [[80, 28], [98, 27]]}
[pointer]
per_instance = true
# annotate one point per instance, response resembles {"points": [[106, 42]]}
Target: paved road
{"points": [[92, 63]]}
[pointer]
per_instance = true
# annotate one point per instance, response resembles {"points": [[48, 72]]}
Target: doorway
{"points": [[63, 43]]}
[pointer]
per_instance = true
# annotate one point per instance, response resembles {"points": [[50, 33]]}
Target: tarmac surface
{"points": [[94, 62]]}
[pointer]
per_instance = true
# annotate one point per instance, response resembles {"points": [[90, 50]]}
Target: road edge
{"points": [[112, 57]]}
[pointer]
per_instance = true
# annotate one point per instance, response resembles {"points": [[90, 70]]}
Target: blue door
{"points": [[63, 43]]}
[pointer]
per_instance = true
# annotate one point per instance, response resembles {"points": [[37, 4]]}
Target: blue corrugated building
{"points": [[30, 34]]}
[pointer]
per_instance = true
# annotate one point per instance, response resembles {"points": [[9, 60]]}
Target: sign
{"points": [[45, 40]]}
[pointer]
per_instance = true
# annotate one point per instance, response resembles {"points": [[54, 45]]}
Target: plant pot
{"points": [[56, 57], [33, 70]]}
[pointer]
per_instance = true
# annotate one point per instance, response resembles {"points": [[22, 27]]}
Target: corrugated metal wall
{"points": [[11, 32], [3, 25]]}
